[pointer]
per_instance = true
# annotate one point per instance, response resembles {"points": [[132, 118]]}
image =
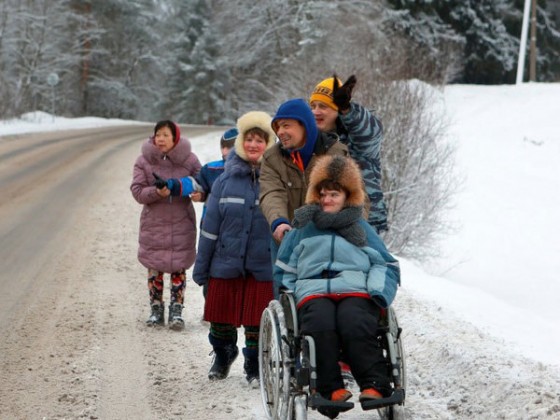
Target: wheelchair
{"points": [[287, 366]]}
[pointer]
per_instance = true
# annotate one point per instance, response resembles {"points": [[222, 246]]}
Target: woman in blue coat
{"points": [[341, 275], [233, 260]]}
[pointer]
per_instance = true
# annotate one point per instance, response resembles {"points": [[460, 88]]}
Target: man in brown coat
{"points": [[286, 166]]}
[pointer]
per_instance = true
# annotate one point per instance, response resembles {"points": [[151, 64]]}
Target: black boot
{"points": [[370, 368], [175, 320], [251, 366], [157, 316], [327, 357], [225, 353]]}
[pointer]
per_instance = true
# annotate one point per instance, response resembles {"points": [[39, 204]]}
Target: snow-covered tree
{"points": [[419, 179], [257, 42], [6, 89], [482, 36], [33, 44], [197, 88], [124, 79], [279, 49]]}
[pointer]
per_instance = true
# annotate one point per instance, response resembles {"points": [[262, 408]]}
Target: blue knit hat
{"points": [[299, 109], [228, 138]]}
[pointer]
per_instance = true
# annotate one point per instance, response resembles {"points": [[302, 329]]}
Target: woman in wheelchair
{"points": [[341, 275]]}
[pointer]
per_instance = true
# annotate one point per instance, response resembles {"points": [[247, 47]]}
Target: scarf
{"points": [[345, 222], [296, 158]]}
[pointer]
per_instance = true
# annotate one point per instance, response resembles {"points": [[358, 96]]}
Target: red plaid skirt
{"points": [[238, 301]]}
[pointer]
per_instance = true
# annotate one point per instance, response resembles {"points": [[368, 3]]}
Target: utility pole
{"points": [[533, 45], [523, 43]]}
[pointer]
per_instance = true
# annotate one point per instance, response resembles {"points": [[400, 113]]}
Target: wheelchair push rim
{"points": [[274, 363]]}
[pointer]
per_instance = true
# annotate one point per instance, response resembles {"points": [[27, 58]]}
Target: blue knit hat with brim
{"points": [[298, 109], [228, 138]]}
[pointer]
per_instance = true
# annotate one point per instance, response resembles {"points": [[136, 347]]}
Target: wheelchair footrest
{"points": [[397, 397], [317, 401]]}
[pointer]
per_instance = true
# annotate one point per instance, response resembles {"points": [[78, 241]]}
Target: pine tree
{"points": [[124, 59], [198, 82], [485, 34]]}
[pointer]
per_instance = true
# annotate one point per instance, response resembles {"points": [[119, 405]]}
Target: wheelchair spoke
{"points": [[274, 364]]}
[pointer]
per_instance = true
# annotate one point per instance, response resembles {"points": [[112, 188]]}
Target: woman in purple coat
{"points": [[167, 234]]}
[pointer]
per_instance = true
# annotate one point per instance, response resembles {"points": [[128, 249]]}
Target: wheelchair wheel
{"points": [[275, 364], [395, 346]]}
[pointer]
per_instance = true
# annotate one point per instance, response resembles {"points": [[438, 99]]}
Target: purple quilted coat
{"points": [[167, 225]]}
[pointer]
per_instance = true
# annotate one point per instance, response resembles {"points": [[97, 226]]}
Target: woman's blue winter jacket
{"points": [[321, 263], [235, 237]]}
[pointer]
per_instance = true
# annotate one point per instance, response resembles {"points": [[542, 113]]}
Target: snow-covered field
{"points": [[480, 324]]}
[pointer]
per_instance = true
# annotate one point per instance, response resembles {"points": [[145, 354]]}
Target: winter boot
{"points": [[251, 366], [370, 394], [225, 353], [157, 316], [175, 320]]}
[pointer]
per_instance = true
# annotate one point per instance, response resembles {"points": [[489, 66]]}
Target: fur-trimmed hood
{"points": [[344, 171], [250, 120]]}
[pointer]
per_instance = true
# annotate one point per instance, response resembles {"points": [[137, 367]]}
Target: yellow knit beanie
{"points": [[324, 92]]}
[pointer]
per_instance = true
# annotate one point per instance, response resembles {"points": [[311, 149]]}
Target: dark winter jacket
{"points": [[167, 234], [210, 173], [362, 132], [206, 178], [235, 238], [283, 185]]}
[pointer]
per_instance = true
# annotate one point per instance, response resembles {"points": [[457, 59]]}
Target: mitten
{"points": [[159, 182], [342, 95]]}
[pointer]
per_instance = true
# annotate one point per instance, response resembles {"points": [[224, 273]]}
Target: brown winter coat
{"points": [[167, 234], [283, 186]]}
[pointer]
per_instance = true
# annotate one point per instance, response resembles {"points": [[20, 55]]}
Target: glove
{"points": [[342, 95], [183, 187], [174, 185], [159, 182]]}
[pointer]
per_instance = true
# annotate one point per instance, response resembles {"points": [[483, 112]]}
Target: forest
{"points": [[208, 61]]}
